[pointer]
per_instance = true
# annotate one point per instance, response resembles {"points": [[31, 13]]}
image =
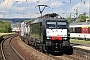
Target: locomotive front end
{"points": [[57, 35]]}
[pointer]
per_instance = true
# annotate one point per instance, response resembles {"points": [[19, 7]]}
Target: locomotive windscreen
{"points": [[61, 24], [56, 24], [51, 24]]}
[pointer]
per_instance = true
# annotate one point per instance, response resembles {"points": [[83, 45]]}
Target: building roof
{"points": [[80, 23]]}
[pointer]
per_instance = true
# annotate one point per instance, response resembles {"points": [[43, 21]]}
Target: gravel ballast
{"points": [[28, 52]]}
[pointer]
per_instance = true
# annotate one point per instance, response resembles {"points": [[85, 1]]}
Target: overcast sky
{"points": [[26, 8]]}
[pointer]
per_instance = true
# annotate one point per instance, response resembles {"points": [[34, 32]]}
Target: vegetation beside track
{"points": [[80, 41], [5, 27], [6, 33]]}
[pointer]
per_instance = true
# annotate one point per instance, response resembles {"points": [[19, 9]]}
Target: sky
{"points": [[30, 9]]}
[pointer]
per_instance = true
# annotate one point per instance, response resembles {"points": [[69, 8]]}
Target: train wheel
{"points": [[69, 50], [43, 50]]}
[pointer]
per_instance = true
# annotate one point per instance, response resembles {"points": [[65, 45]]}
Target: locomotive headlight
{"points": [[65, 38], [48, 37]]}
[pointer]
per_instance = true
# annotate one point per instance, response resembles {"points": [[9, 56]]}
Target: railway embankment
{"points": [[80, 52], [81, 48], [81, 42], [28, 52]]}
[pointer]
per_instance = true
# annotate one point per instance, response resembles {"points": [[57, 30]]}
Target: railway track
{"points": [[60, 56], [8, 52], [74, 56]]}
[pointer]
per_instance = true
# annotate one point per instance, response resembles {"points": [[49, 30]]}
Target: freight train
{"points": [[80, 30], [50, 34], [25, 32]]}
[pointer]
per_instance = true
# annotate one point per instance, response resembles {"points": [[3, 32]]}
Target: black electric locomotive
{"points": [[50, 34]]}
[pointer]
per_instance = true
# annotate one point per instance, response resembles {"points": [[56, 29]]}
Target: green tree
{"points": [[70, 20], [27, 20], [5, 27], [1, 21], [82, 18]]}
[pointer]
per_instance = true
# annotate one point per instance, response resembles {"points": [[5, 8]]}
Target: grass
{"points": [[6, 33], [80, 41]]}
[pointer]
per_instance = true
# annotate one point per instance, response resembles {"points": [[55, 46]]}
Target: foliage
{"points": [[79, 41], [1, 34], [82, 18], [27, 20], [5, 27], [70, 20]]}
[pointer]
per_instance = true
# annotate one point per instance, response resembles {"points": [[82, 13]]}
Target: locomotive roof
{"points": [[43, 19]]}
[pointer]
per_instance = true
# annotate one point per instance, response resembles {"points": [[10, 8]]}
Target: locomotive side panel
{"points": [[36, 31], [50, 35]]}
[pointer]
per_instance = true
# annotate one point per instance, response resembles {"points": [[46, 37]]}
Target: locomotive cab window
{"points": [[61, 24], [56, 24], [50, 24]]}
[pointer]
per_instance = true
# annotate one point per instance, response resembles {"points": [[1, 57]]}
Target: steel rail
{"points": [[2, 51], [17, 52]]}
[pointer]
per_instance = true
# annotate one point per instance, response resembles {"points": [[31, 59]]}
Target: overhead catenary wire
{"points": [[4, 13], [47, 1]]}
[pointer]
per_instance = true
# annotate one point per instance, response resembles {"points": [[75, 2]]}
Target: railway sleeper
{"points": [[82, 53]]}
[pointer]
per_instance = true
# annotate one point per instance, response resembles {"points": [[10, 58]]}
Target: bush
{"points": [[5, 27]]}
